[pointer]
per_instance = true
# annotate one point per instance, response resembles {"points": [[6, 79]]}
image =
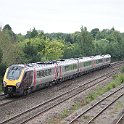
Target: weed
{"points": [[64, 113], [118, 79], [122, 69]]}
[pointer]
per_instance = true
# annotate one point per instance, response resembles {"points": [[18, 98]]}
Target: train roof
{"points": [[54, 63]]}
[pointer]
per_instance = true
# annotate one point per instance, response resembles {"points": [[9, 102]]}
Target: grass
{"points": [[65, 113], [117, 80], [122, 69]]}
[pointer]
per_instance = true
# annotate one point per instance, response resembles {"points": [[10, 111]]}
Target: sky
{"points": [[65, 16]]}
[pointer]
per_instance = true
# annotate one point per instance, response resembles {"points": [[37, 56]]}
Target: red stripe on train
{"points": [[55, 73], [60, 71], [34, 77]]}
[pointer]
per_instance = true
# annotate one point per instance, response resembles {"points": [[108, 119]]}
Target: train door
{"points": [[27, 79], [78, 65], [58, 71], [93, 63]]}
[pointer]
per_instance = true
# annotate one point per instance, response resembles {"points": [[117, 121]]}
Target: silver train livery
{"points": [[25, 78]]}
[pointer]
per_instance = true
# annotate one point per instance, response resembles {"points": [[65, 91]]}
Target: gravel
{"points": [[21, 105]]}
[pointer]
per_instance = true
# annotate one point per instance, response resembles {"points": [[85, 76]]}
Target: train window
{"points": [[74, 66], [99, 61], [107, 59], [38, 74], [14, 72], [27, 78], [81, 64], [49, 71], [87, 63], [43, 73], [70, 67], [66, 68]]}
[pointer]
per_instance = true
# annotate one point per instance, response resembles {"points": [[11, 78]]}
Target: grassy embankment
{"points": [[118, 79]]}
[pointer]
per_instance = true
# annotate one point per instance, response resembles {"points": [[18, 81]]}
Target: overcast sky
{"points": [[65, 16]]}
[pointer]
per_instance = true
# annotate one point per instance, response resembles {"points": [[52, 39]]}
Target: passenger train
{"points": [[21, 79]]}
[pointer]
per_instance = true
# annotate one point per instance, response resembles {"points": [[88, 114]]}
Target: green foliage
{"points": [[32, 34], [71, 50], [10, 35], [85, 42], [92, 96], [20, 37], [119, 79], [7, 27], [30, 52], [1, 55], [2, 69], [39, 46], [9, 49], [54, 50], [94, 32], [122, 69], [111, 42], [64, 113]]}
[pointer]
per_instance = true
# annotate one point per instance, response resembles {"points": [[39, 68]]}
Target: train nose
{"points": [[9, 89]]}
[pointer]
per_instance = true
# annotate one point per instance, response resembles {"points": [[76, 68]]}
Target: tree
{"points": [[111, 42], [54, 50], [71, 51], [2, 69], [8, 48], [9, 33], [94, 32], [7, 27], [20, 37], [86, 42], [32, 34], [31, 52], [1, 55]]}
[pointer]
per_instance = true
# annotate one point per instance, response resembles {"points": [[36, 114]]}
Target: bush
{"points": [[2, 69]]}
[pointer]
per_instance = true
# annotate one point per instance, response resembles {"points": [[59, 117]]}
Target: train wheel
{"points": [[25, 92], [10, 95]]}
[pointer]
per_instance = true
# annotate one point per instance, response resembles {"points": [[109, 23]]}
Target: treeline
{"points": [[39, 46]]}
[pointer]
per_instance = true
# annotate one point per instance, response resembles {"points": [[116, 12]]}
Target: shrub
{"points": [[122, 69], [2, 69]]}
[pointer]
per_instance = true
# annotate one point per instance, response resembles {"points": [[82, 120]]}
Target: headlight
{"points": [[18, 84], [4, 84]]}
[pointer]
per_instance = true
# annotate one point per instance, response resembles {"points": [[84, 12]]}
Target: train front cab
{"points": [[12, 80]]}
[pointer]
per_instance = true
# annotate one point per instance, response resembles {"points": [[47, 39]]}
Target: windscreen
{"points": [[14, 72]]}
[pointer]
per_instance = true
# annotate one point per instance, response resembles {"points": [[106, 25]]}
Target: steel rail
{"points": [[56, 99], [105, 108], [119, 119], [70, 121]]}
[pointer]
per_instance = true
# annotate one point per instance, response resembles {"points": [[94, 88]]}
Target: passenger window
{"points": [[43, 74], [49, 71]]}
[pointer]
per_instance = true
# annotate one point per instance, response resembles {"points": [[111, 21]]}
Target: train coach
{"points": [[21, 79]]}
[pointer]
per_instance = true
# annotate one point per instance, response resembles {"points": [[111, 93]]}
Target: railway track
{"points": [[119, 119], [2, 96], [4, 99], [46, 105], [100, 106]]}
